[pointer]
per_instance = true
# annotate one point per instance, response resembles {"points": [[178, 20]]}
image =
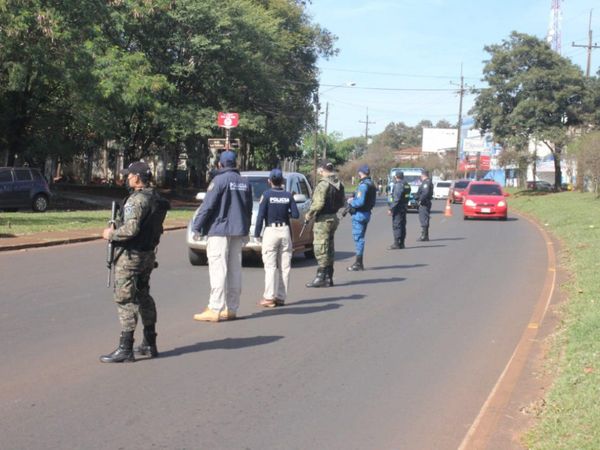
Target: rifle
{"points": [[303, 229], [110, 248], [348, 209]]}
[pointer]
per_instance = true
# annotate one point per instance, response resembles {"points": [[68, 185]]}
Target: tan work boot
{"points": [[208, 315], [227, 315], [267, 303]]}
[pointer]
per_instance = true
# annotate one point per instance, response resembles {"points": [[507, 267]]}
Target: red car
{"points": [[456, 191], [485, 199]]}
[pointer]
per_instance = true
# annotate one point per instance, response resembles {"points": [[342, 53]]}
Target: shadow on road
{"points": [[397, 266], [221, 344], [328, 299], [448, 239], [426, 246], [372, 281], [292, 310]]}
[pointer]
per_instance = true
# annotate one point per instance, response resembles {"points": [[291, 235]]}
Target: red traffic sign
{"points": [[228, 120]]}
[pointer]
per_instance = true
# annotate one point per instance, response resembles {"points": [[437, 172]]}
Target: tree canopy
{"points": [[533, 94], [150, 75]]}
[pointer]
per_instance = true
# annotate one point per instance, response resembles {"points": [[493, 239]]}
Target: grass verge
{"points": [[24, 223], [571, 418]]}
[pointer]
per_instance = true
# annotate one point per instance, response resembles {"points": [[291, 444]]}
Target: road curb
{"points": [[67, 240]]}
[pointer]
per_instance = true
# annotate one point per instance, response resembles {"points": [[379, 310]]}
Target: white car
{"points": [[441, 189], [294, 182]]}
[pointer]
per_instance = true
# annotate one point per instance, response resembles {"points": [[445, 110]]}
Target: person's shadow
{"points": [[220, 344]]}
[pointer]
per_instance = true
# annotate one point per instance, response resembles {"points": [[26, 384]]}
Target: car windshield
{"points": [[259, 186], [443, 184], [413, 179], [461, 184], [485, 189]]}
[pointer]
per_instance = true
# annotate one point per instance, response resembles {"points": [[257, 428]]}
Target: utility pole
{"points": [[589, 47], [461, 94], [325, 131], [316, 102], [580, 168], [367, 123]]}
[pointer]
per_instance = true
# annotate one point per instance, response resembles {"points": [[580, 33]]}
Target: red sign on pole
{"points": [[228, 120]]}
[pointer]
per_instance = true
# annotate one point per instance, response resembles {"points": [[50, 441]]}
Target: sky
{"points": [[421, 44]]}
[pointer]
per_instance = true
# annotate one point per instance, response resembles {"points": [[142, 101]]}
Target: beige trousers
{"points": [[277, 259], [224, 255]]}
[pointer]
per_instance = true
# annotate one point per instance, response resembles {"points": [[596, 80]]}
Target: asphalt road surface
{"points": [[400, 356]]}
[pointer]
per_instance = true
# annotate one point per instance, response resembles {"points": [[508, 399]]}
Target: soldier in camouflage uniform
{"points": [[328, 198], [135, 238]]}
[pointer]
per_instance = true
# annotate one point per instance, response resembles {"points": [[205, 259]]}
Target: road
{"points": [[400, 356]]}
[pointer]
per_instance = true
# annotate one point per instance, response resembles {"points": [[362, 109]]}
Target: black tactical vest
{"points": [[334, 199], [151, 227], [370, 198]]}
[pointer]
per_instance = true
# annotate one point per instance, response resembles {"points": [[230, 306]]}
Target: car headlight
{"points": [[501, 204], [470, 203]]}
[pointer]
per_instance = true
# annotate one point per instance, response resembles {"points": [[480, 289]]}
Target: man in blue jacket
{"points": [[225, 217], [360, 207]]}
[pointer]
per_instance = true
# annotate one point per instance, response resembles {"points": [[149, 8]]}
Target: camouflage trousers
{"points": [[323, 230], [132, 288]]}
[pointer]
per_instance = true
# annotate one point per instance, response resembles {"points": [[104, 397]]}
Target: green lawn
{"points": [[21, 223], [571, 418]]}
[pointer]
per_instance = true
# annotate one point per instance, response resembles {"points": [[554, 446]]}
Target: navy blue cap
{"points": [[364, 169], [276, 174], [227, 158]]}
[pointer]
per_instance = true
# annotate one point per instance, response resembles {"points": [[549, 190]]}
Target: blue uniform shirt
{"points": [[276, 206]]}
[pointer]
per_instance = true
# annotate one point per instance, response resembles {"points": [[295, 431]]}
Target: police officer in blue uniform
{"points": [[424, 196], [276, 208], [398, 209], [360, 207]]}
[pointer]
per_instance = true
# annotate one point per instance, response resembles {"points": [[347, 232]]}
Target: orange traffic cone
{"points": [[448, 209]]}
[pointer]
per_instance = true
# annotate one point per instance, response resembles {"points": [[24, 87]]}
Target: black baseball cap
{"points": [[138, 168], [327, 165]]}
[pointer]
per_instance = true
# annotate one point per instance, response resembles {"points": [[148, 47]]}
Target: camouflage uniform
{"points": [[133, 267], [325, 223]]}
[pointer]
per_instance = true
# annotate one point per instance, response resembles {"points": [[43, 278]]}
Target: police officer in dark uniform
{"points": [[398, 208], [136, 238], [276, 208], [424, 196]]}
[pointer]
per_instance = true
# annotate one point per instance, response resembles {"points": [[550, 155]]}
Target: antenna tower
{"points": [[554, 37]]}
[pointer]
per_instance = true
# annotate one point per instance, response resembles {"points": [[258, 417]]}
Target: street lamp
{"points": [[347, 84]]}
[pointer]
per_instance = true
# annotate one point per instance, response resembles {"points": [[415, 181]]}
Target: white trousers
{"points": [[224, 255], [277, 259]]}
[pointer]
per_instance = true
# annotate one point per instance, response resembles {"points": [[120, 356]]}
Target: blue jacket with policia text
{"points": [[227, 207], [276, 207]]}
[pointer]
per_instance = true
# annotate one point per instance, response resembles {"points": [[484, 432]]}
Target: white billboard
{"points": [[436, 140]]}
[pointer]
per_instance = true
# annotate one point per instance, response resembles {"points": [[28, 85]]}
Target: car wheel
{"points": [[197, 258], [465, 217], [309, 254], [40, 203]]}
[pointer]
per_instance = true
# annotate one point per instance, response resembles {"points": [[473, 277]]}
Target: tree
{"points": [[586, 149], [532, 94]]}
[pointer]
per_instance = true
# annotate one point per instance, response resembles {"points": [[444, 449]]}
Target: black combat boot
{"points": [[124, 352], [424, 235], [148, 346], [320, 279], [394, 246], [358, 264], [329, 276], [401, 245]]}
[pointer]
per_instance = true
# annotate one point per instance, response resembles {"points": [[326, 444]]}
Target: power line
{"points": [[370, 88], [395, 74], [589, 47]]}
